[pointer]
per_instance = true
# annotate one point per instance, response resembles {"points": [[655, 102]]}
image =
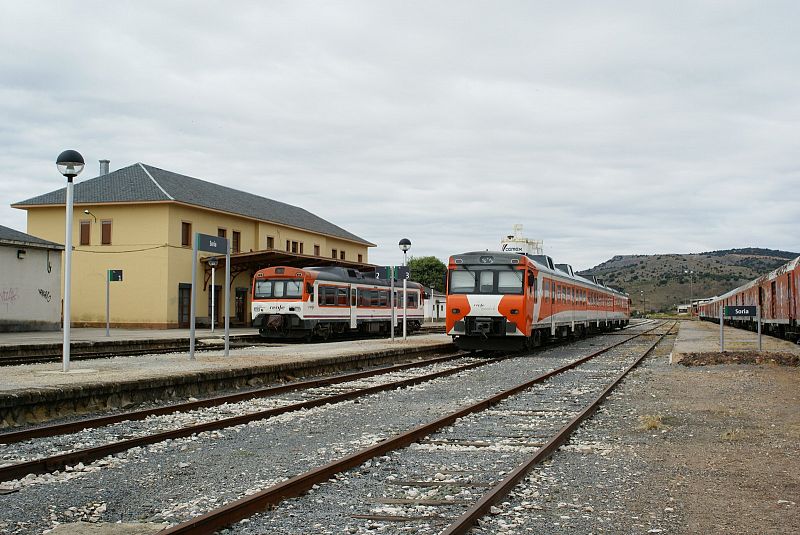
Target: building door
{"points": [[184, 305], [241, 306]]}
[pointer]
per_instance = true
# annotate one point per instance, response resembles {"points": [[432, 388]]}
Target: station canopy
{"points": [[255, 260]]}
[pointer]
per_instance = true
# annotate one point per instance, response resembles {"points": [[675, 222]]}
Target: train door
{"points": [[773, 297], [353, 309]]}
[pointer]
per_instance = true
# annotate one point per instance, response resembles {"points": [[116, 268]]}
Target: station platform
{"points": [[703, 337], [34, 393]]}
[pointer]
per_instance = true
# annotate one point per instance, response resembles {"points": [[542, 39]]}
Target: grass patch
{"points": [[650, 422]]}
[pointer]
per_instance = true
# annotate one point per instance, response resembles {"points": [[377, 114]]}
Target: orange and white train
{"points": [[776, 293], [498, 300], [318, 302]]}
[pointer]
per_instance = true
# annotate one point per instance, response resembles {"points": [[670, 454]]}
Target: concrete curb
{"points": [[38, 405]]}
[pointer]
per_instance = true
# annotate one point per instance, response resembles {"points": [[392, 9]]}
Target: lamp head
{"points": [[405, 244], [212, 262], [70, 164]]}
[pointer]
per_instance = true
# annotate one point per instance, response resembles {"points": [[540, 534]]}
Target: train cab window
{"points": [[278, 289], [486, 282], [508, 282], [462, 282], [413, 300]]}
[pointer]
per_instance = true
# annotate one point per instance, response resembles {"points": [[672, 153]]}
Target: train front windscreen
{"points": [[485, 281], [278, 289]]}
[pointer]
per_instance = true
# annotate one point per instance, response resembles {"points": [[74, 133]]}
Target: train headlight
{"points": [[514, 311], [456, 310]]}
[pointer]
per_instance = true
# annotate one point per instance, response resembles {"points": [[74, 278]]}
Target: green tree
{"points": [[428, 270]]}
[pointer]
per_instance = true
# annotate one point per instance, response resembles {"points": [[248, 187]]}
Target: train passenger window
{"points": [[330, 296], [383, 298], [413, 298], [462, 282], [508, 282], [486, 282], [341, 297]]}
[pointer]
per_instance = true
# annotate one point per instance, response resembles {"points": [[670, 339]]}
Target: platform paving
{"points": [[40, 392], [703, 337]]}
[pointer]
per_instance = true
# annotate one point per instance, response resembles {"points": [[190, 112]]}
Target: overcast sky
{"points": [[604, 128]]}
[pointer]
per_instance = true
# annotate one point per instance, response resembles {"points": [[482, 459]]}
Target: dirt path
{"points": [[730, 453]]}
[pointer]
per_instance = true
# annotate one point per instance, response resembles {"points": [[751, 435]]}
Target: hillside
{"points": [[662, 283]]}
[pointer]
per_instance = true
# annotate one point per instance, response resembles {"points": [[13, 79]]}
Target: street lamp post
{"points": [[70, 164], [405, 245], [213, 263]]}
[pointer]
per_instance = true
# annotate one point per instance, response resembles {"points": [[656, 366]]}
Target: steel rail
{"points": [[466, 521], [245, 507], [91, 423], [57, 462]]}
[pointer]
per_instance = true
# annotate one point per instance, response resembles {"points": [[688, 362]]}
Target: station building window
{"points": [[360, 258], [222, 233], [86, 227], [301, 247], [237, 242], [316, 250], [105, 232], [341, 255], [270, 242], [294, 246], [186, 234], [334, 253]]}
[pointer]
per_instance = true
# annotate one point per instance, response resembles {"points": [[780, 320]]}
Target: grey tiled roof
{"points": [[15, 237], [145, 183]]}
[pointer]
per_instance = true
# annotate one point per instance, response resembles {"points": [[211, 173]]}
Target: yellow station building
{"points": [[141, 219]]}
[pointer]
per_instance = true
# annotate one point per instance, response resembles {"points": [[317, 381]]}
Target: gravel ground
{"points": [[449, 467], [89, 438], [174, 480]]}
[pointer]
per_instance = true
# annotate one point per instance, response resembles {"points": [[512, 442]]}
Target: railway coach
{"points": [[498, 300], [777, 295], [318, 302]]}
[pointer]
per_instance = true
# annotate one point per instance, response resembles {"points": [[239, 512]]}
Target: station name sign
{"points": [[740, 311], [212, 244]]}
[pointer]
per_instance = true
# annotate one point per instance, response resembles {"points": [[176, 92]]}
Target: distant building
{"points": [[142, 220], [435, 305], [30, 282]]}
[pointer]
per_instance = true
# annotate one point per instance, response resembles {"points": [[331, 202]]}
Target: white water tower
{"points": [[521, 245]]}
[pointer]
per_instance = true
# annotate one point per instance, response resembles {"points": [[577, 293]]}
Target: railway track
{"points": [[59, 461], [111, 466], [246, 507]]}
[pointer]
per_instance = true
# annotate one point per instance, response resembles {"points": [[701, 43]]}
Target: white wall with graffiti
{"points": [[30, 288]]}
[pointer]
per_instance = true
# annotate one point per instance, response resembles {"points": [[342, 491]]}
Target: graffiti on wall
{"points": [[45, 295], [8, 296]]}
